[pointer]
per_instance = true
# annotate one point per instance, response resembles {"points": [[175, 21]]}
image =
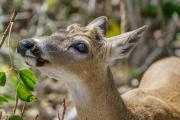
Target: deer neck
{"points": [[96, 96]]}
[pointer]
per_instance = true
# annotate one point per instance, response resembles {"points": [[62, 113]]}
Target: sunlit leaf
{"points": [[2, 78], [28, 78], [24, 93], [15, 117], [114, 28]]}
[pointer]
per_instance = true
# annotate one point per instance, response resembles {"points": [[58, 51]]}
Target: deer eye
{"points": [[81, 47]]}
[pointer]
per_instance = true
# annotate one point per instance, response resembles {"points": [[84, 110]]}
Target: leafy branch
{"points": [[27, 79]]}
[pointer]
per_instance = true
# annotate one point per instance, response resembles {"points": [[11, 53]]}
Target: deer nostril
{"points": [[28, 44], [25, 45], [35, 51]]}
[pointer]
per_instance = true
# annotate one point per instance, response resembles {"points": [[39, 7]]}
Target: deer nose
{"points": [[25, 45]]}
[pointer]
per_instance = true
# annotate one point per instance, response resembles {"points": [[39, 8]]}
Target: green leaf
{"points": [[10, 99], [135, 72], [28, 78], [3, 99], [150, 11], [15, 117], [2, 78], [24, 93], [169, 7], [177, 9]]}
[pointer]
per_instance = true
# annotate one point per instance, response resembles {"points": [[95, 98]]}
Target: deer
{"points": [[81, 57]]}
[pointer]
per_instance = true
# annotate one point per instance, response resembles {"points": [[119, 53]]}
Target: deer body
{"points": [[80, 56], [158, 93]]}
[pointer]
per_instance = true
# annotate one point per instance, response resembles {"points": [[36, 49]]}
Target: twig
{"points": [[17, 99], [59, 118], [36, 117], [64, 110], [8, 28], [23, 109], [9, 35], [64, 106]]}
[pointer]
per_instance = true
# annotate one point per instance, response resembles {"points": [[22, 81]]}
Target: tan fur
{"points": [[92, 85], [157, 97]]}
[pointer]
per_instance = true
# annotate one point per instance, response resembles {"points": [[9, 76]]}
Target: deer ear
{"points": [[120, 46], [100, 22]]}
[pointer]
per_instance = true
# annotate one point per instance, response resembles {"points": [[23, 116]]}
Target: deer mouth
{"points": [[35, 61]]}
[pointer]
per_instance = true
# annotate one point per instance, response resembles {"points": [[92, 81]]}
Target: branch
{"points": [[8, 28], [123, 16], [23, 109]]}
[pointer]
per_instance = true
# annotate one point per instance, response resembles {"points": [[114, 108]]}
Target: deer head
{"points": [[78, 45]]}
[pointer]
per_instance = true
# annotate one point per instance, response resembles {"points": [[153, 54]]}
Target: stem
{"points": [[36, 117], [14, 111], [64, 106], [59, 118], [8, 28], [23, 109]]}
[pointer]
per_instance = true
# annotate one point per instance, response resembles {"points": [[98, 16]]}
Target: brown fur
{"points": [[157, 97]]}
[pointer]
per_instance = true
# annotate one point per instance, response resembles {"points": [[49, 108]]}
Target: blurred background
{"points": [[43, 17]]}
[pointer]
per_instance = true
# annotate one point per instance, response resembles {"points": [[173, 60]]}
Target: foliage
{"points": [[3, 99], [169, 7], [27, 82], [150, 11], [2, 78], [15, 117], [28, 78], [24, 93]]}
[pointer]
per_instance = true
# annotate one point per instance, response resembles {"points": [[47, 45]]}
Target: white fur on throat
{"points": [[76, 87]]}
